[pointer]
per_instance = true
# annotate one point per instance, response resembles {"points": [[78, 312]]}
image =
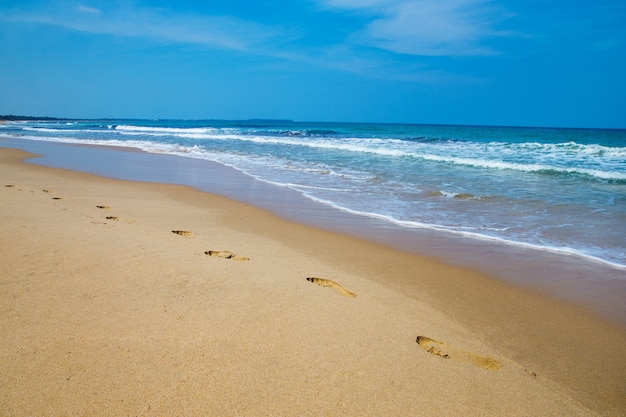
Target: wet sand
{"points": [[106, 311], [599, 288]]}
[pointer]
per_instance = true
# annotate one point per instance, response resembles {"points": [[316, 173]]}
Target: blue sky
{"points": [[516, 62]]}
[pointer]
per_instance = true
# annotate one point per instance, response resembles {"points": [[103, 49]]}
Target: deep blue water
{"points": [[554, 189]]}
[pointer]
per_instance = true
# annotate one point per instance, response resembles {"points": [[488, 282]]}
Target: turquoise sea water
{"points": [[553, 189]]}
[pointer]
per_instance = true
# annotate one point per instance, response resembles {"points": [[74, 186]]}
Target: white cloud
{"points": [[87, 9], [404, 27], [155, 24], [425, 27]]}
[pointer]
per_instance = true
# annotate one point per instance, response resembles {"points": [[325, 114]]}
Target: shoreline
{"points": [[598, 287], [115, 314], [61, 162]]}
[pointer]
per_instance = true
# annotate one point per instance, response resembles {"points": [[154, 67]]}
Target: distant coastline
{"points": [[11, 117]]}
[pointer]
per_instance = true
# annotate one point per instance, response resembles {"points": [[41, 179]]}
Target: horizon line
{"points": [[12, 117]]}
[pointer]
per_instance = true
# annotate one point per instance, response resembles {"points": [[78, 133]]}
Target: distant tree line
{"points": [[12, 117]]}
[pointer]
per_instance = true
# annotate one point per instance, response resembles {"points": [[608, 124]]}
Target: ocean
{"points": [[551, 189]]}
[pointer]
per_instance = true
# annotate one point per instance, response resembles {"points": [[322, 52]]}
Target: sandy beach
{"points": [[144, 299]]}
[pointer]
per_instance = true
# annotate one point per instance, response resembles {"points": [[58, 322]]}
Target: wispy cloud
{"points": [[161, 25], [395, 33], [425, 27], [87, 9]]}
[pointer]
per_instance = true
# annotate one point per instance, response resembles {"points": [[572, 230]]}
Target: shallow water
{"points": [[552, 189]]}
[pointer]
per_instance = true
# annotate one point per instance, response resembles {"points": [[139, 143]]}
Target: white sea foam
{"points": [[312, 187], [531, 182], [556, 158], [48, 130], [556, 161], [163, 131], [475, 235]]}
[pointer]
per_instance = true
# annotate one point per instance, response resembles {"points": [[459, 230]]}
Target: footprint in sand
{"points": [[182, 233], [104, 207], [115, 218], [226, 255], [332, 284], [448, 352]]}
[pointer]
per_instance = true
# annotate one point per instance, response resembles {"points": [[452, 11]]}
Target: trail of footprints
{"points": [[431, 346], [225, 254], [112, 218]]}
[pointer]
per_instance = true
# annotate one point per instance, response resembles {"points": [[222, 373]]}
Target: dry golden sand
{"points": [[106, 312]]}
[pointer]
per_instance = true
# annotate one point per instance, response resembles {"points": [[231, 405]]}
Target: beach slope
{"points": [[126, 298]]}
